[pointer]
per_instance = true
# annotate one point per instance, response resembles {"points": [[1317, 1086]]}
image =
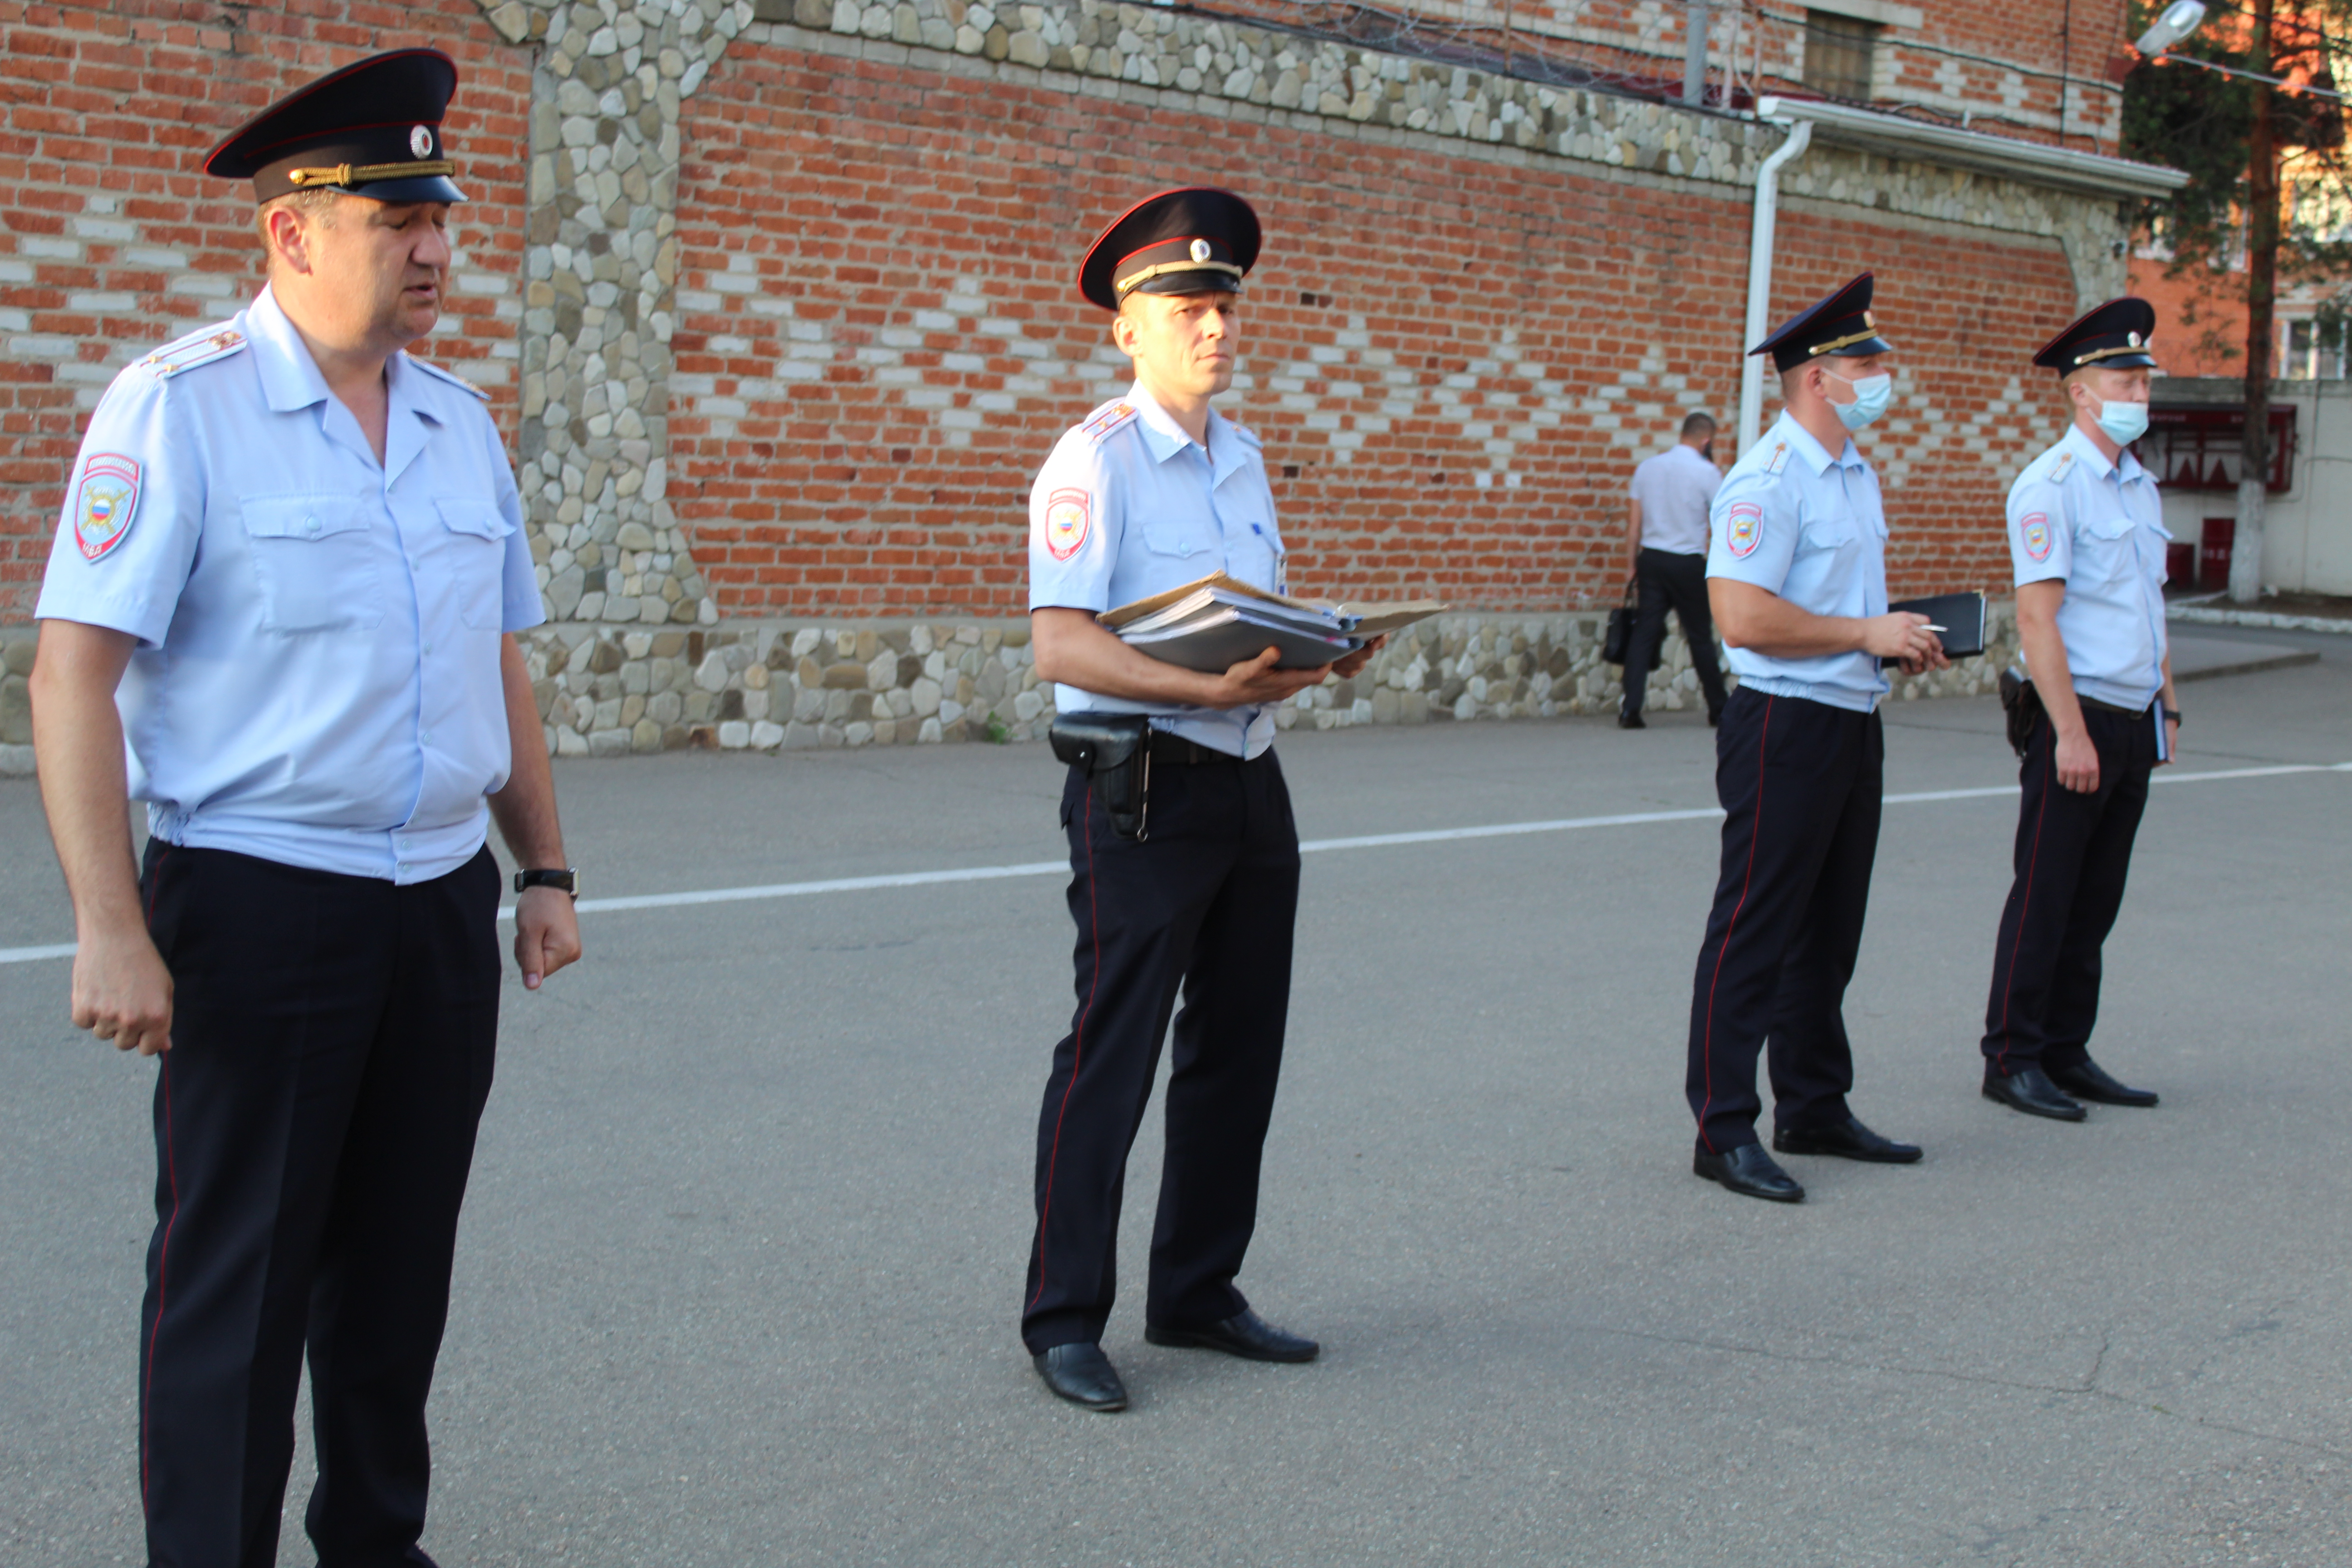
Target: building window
{"points": [[1837, 54], [2313, 351]]}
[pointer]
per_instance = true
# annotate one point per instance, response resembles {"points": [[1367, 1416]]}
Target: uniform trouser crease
{"points": [[2073, 855], [1203, 910], [333, 1044], [1801, 785]]}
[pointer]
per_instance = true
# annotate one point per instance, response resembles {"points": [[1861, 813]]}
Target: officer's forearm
{"points": [[525, 807], [2045, 654], [1753, 617], [78, 742], [1632, 530], [1072, 649]]}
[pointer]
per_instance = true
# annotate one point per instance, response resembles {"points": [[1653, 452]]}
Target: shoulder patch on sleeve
{"points": [[208, 347], [2034, 529], [1069, 514], [1779, 459], [104, 502], [1106, 419], [1743, 529], [452, 377]]}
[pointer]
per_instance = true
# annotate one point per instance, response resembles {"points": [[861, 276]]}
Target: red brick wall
{"points": [[112, 241], [903, 233]]}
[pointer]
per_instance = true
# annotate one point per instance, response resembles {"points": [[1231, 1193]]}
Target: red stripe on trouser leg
{"points": [[1077, 1043], [2025, 899], [1755, 831]]}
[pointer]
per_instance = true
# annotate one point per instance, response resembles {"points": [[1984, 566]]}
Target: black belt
{"points": [[1181, 753], [2113, 708]]}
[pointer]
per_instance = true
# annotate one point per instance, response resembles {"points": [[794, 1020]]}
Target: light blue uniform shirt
{"points": [[1809, 526], [317, 679], [2098, 527], [1129, 506]]}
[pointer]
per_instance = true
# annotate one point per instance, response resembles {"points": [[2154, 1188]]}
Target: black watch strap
{"points": [[2173, 714], [566, 880]]}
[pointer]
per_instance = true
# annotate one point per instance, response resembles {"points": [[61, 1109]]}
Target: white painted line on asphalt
{"points": [[1312, 847]]}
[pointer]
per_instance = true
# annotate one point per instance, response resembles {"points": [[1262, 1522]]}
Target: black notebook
{"points": [[1963, 616]]}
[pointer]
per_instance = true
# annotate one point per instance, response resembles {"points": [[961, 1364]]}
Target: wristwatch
{"points": [[566, 880], [2173, 714]]}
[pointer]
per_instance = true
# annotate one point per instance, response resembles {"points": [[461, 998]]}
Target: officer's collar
{"points": [[2125, 469], [1816, 457], [1166, 437], [291, 380]]}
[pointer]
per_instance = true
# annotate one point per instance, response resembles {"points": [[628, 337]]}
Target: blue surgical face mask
{"points": [[2124, 422], [1871, 394]]}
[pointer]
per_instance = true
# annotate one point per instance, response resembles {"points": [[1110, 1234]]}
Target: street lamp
{"points": [[2180, 18]]}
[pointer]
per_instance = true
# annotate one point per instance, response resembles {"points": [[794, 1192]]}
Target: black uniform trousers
{"points": [[331, 1047], [2072, 852], [1206, 902], [1799, 783], [1669, 581]]}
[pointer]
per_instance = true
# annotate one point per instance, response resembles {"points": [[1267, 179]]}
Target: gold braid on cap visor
{"points": [[1845, 341], [1127, 286], [349, 174], [2082, 360]]}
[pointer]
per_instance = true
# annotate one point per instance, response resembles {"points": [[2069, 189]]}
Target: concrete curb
{"points": [[2201, 615]]}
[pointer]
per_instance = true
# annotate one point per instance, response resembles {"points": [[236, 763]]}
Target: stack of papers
{"points": [[1218, 622]]}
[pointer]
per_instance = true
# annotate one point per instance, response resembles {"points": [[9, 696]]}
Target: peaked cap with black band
{"points": [[1183, 241], [2113, 336], [372, 129], [1838, 325]]}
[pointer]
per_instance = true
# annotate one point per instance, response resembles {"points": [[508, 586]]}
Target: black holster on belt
{"points": [[1116, 751], [2022, 705]]}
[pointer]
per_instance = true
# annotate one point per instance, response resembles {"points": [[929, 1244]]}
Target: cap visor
{"points": [[432, 188], [1871, 345]]}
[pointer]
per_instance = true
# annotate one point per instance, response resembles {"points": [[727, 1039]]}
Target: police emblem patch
{"points": [[104, 502], [1068, 514], [1743, 529], [2035, 528]]}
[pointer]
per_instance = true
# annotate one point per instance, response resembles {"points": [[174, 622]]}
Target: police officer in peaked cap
{"points": [[280, 611], [1797, 578], [1183, 855], [2095, 716]]}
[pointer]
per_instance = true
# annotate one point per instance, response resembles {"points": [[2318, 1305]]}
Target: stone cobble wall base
{"points": [[609, 691]]}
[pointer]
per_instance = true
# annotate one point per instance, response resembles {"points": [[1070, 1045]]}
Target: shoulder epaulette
{"points": [[212, 345], [1779, 459], [1249, 438], [2059, 470], [452, 377], [1106, 419]]}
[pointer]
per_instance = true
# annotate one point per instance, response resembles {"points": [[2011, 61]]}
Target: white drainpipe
{"points": [[1759, 274]]}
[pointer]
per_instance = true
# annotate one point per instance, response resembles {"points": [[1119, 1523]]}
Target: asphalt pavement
{"points": [[742, 1261]]}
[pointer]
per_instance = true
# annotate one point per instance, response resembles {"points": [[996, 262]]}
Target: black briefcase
{"points": [[1617, 642]]}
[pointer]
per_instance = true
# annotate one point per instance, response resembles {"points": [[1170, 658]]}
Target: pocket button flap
{"points": [[301, 517], [481, 518]]}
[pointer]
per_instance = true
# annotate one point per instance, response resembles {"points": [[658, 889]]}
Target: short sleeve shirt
{"points": [[317, 679], [1809, 526], [2098, 527], [1674, 488], [1127, 506]]}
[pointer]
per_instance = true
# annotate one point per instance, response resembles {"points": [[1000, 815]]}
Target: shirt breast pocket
{"points": [[1178, 541], [471, 561], [314, 561], [2104, 551]]}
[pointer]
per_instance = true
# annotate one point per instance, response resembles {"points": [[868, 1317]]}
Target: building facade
{"points": [[776, 302]]}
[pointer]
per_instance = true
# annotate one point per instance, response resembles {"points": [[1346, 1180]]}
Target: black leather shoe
{"points": [[2087, 1081], [1082, 1375], [1848, 1141], [2029, 1089], [1245, 1334], [1631, 720], [1748, 1170]]}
